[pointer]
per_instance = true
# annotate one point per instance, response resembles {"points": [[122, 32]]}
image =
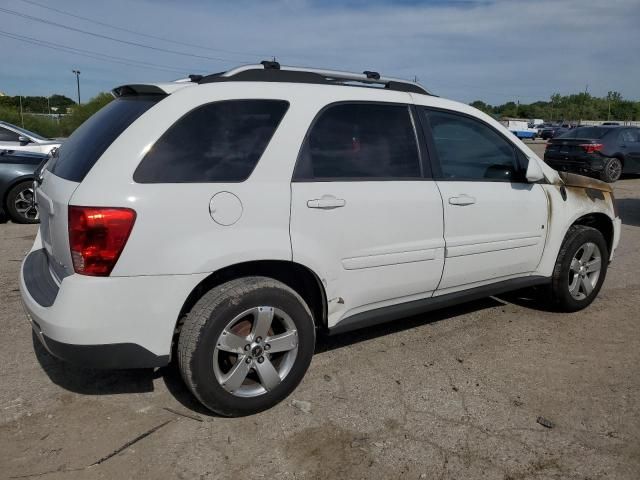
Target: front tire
{"points": [[246, 345], [612, 170], [580, 269], [19, 206]]}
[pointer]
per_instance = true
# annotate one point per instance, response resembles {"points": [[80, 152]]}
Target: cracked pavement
{"points": [[450, 394]]}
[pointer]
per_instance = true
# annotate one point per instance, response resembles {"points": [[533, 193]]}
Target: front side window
{"points": [[360, 141], [468, 149], [216, 142], [7, 135]]}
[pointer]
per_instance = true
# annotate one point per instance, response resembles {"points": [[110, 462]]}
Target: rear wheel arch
{"points": [[296, 276], [13, 183]]}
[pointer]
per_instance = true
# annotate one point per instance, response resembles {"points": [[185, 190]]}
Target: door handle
{"points": [[462, 200], [327, 202]]}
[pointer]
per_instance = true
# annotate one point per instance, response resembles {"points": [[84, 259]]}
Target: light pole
{"points": [[77, 73]]}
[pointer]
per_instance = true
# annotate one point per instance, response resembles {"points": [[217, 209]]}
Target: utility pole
{"points": [[21, 115], [49, 107], [77, 73]]}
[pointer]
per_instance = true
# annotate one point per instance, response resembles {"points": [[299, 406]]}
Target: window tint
{"points": [[217, 142], [360, 140], [8, 135], [586, 132], [629, 136], [85, 146], [468, 149]]}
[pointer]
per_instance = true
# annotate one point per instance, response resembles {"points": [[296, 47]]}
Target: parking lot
{"points": [[455, 393]]}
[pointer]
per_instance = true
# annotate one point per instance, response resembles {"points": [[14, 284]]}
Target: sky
{"points": [[490, 50]]}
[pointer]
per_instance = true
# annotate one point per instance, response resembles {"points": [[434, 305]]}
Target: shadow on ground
{"points": [[109, 382]]}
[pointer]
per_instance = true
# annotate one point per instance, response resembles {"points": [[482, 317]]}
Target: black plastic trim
{"points": [[38, 279], [407, 309], [105, 356]]}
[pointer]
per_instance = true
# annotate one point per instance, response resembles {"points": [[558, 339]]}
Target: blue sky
{"points": [[497, 51]]}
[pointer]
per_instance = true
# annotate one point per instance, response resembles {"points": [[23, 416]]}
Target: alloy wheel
{"points": [[584, 270], [255, 351], [25, 206]]}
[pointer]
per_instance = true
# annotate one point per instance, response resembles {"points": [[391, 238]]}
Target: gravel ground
{"points": [[452, 394]]}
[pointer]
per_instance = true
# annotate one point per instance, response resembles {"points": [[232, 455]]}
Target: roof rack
{"points": [[271, 71]]}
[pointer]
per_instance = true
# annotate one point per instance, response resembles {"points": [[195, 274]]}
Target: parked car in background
{"points": [[17, 172], [604, 151], [519, 128], [15, 138], [552, 131], [312, 207]]}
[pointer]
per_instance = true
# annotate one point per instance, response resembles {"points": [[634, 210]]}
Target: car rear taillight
{"points": [[97, 236], [591, 147]]}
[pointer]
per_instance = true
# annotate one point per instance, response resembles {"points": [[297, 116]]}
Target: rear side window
{"points": [[79, 153], [631, 136], [468, 149], [216, 142], [360, 141]]}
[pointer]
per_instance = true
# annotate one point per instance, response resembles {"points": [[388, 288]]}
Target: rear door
{"points": [[68, 167], [495, 222], [364, 215]]}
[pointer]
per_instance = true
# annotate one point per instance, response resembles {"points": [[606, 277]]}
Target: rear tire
{"points": [[612, 170], [580, 269], [19, 207], [246, 345]]}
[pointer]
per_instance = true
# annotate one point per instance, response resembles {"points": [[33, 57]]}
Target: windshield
{"points": [[79, 153], [26, 132]]}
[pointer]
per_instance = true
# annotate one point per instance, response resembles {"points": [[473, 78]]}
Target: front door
{"points": [[363, 215], [495, 222]]}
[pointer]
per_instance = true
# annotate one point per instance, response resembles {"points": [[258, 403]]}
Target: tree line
{"points": [[51, 127], [578, 106]]}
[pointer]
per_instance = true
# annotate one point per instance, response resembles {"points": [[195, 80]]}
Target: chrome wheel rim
{"points": [[614, 169], [255, 351], [24, 204], [584, 270]]}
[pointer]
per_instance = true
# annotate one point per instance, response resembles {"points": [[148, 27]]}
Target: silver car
{"points": [[13, 137]]}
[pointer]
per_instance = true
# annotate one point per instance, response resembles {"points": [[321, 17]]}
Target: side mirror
{"points": [[534, 172], [24, 140]]}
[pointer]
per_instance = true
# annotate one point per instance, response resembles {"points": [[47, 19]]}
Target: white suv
{"points": [[223, 220]]}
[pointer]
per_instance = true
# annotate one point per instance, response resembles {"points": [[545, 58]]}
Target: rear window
{"points": [[586, 132], [79, 153], [216, 142]]}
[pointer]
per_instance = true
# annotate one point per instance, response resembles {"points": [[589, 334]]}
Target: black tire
{"points": [[612, 170], [26, 190], [577, 236], [204, 325]]}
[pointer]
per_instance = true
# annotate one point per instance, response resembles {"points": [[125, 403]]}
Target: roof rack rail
{"points": [[272, 71]]}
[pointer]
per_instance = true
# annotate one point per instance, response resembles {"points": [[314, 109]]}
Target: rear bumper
{"points": [[104, 322]]}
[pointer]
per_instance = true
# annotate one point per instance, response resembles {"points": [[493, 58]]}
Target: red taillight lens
{"points": [[97, 236], [591, 147]]}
